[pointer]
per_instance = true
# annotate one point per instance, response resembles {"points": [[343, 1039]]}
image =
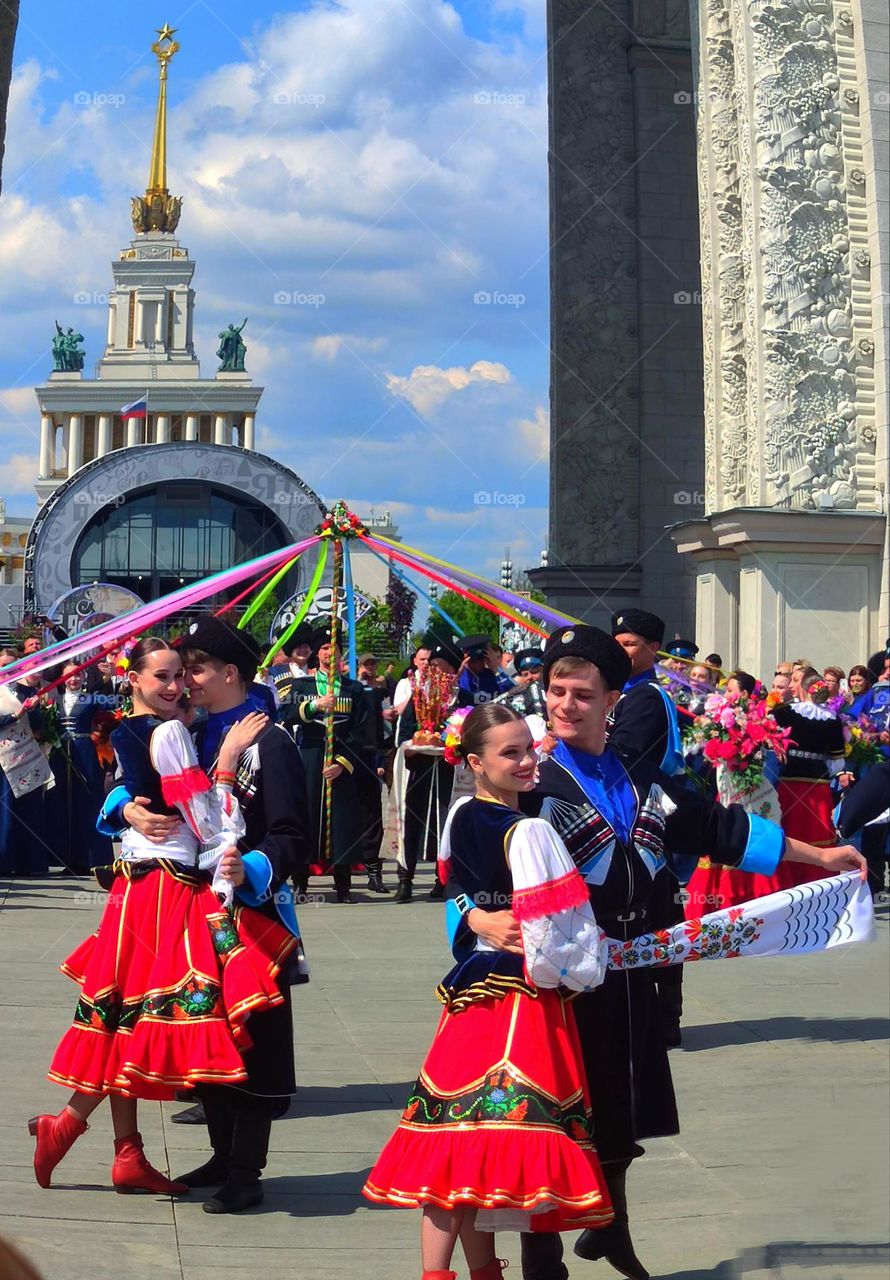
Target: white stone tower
{"points": [[149, 348]]}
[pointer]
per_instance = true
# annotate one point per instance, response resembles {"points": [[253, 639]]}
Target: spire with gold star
{"points": [[157, 210]]}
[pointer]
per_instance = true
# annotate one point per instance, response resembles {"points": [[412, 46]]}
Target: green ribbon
{"points": [[304, 607], [259, 600]]}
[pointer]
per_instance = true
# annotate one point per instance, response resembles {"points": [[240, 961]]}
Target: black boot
{"points": [[404, 892], [301, 888], [437, 893], [375, 877], [242, 1189], [613, 1242], [542, 1256], [343, 884], [219, 1109]]}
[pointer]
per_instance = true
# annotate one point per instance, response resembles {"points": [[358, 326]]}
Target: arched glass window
{"points": [[158, 539]]}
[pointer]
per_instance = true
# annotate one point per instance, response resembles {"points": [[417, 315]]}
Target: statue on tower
{"points": [[157, 210], [68, 355], [231, 349]]}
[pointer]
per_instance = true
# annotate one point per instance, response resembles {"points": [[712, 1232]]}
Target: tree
{"points": [[473, 619], [401, 602]]}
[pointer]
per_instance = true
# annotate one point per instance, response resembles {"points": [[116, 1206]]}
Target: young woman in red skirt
{"points": [[169, 978], [497, 1131]]}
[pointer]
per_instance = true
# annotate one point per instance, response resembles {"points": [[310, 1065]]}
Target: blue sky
{"points": [[386, 155]]}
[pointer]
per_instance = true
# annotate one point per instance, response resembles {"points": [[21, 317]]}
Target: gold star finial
{"points": [[166, 32]]}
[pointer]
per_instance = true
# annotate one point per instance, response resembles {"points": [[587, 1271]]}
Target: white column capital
{"points": [[162, 428], [249, 435], [221, 433], [191, 426]]}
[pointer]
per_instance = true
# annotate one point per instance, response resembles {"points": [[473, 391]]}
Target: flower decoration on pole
{"points": [[340, 522]]}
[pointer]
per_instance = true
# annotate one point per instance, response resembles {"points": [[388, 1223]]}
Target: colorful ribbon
{"points": [[263, 596], [304, 607], [139, 620]]}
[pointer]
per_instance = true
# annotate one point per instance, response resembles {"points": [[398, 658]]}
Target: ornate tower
{"points": [[149, 347]]}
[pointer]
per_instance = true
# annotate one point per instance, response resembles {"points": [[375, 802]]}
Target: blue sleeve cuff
{"points": [[455, 925], [110, 821], [766, 844], [258, 873]]}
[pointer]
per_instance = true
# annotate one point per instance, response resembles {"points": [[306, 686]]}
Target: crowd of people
{"points": [[612, 769]]}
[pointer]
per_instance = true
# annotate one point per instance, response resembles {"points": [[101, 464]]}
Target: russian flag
{"points": [[138, 409]]}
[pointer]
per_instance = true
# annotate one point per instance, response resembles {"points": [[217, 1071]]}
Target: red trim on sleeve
{"points": [[549, 898]]}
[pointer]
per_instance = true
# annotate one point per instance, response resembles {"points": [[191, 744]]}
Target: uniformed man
{"points": [[482, 676]]}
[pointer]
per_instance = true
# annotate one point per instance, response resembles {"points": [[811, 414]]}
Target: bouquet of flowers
{"points": [[433, 695], [733, 732], [451, 734], [863, 744]]}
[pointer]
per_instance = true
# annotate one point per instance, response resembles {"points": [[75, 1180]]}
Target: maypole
{"points": [[340, 523]]}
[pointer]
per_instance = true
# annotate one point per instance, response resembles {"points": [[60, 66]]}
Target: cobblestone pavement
{"points": [[781, 1170]]}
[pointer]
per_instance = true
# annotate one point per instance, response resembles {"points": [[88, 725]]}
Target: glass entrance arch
{"points": [[154, 540]]}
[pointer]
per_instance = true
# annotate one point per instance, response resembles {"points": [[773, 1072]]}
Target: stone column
{"points": [[103, 442], [249, 439], [191, 426], [46, 465], [789, 383], [221, 433], [75, 443], [162, 428], [134, 432], [112, 318], [139, 335]]}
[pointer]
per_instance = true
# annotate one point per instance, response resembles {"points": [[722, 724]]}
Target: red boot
{"points": [[439, 1275], [55, 1135], [491, 1271], [131, 1171]]}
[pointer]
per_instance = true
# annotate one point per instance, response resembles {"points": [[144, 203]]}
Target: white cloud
{"points": [[427, 387], [535, 432], [329, 345]]}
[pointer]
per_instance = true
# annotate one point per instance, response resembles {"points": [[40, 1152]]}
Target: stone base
{"points": [[229, 375], [64, 375], [774, 585]]}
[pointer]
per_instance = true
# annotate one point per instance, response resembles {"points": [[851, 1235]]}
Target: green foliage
{"points": [[472, 618]]}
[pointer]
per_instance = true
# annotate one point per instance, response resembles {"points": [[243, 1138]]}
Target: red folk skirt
{"points": [[168, 982], [500, 1118], [807, 807]]}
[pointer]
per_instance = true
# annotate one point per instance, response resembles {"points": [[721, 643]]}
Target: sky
{"points": [[366, 181]]}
